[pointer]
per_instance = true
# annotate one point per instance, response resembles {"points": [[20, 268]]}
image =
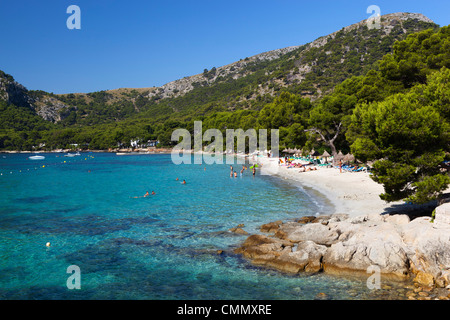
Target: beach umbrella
{"points": [[326, 155], [349, 158], [338, 157]]}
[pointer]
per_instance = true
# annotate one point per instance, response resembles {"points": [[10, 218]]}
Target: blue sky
{"points": [[149, 43]]}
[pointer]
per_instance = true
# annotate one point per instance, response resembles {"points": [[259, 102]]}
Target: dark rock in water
{"points": [[271, 227], [238, 229], [90, 225], [322, 296], [96, 258], [307, 219]]}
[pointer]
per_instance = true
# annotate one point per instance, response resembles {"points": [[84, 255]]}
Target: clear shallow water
{"points": [[160, 247]]}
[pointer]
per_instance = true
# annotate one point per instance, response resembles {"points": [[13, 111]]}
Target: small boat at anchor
{"points": [[72, 154], [36, 158]]}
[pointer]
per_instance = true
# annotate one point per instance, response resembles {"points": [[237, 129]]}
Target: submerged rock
{"points": [[271, 227], [238, 229]]}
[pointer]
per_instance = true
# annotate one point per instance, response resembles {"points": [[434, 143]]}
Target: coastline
{"points": [[354, 194], [361, 232]]}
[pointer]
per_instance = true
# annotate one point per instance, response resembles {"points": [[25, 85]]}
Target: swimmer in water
{"points": [[153, 192], [184, 182], [146, 195], [176, 179]]}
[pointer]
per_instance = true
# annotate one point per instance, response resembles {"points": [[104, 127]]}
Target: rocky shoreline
{"points": [[415, 253]]}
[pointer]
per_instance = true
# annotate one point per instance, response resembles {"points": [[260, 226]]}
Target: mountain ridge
{"points": [[181, 86], [310, 69]]}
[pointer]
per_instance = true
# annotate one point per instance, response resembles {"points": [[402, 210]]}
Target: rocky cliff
{"points": [[43, 104], [238, 69]]}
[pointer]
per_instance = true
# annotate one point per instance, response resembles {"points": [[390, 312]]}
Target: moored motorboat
{"points": [[36, 158]]}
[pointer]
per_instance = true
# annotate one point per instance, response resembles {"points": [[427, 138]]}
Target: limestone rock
{"points": [[424, 279], [428, 247], [315, 232], [307, 255], [271, 227], [259, 246], [306, 219], [443, 214], [279, 254], [337, 244]]}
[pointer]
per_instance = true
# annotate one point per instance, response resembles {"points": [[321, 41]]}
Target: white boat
{"points": [[72, 154], [36, 158], [128, 153]]}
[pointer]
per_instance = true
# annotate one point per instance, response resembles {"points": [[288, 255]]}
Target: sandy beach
{"points": [[351, 193]]}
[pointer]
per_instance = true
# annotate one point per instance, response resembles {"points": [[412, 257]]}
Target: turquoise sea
{"points": [[160, 247]]}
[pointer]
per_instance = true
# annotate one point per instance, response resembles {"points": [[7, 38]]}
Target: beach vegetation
{"points": [[408, 133]]}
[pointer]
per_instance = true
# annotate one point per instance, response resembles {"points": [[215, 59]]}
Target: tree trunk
{"points": [[333, 148], [328, 141]]}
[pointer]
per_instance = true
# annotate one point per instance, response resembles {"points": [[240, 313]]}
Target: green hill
{"points": [[235, 94]]}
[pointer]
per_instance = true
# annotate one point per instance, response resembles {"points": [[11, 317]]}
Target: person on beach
{"points": [[340, 166]]}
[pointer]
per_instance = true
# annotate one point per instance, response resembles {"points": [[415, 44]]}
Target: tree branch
{"points": [[338, 130]]}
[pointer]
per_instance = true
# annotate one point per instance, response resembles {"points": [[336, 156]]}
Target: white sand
{"points": [[352, 193]]}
